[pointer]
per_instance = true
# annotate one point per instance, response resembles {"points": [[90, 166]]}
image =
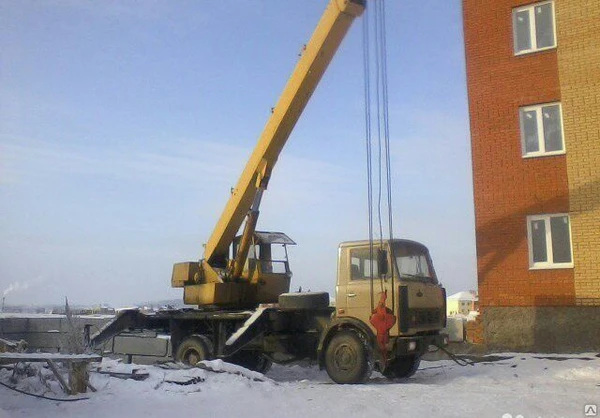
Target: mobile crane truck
{"points": [[245, 314]]}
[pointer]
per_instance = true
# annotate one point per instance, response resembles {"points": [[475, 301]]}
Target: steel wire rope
{"points": [[368, 142], [380, 118], [378, 100], [386, 126]]}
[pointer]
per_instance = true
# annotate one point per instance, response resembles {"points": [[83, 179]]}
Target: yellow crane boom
{"points": [[245, 197], [312, 65]]}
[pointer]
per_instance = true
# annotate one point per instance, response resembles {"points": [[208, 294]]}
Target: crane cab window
{"points": [[267, 253], [268, 259], [272, 258]]}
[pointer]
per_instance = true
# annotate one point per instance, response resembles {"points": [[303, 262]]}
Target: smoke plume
{"points": [[15, 286]]}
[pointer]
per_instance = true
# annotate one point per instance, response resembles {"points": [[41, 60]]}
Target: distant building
{"points": [[533, 76], [461, 303]]}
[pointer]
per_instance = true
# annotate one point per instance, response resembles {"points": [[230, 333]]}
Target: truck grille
{"points": [[423, 317]]}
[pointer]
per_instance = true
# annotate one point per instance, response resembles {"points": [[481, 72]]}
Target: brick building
{"points": [[533, 76]]}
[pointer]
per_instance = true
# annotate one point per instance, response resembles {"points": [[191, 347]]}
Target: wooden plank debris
{"points": [[12, 346], [18, 357], [78, 363], [120, 375], [59, 377]]}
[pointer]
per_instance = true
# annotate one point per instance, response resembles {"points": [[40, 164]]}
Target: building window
{"points": [[549, 239], [541, 130], [534, 28]]}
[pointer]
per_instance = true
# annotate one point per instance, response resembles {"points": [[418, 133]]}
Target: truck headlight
{"points": [[412, 346]]}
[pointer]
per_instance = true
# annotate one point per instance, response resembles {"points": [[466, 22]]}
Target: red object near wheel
{"points": [[383, 320]]}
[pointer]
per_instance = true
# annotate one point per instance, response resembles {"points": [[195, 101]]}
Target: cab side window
{"points": [[361, 263]]}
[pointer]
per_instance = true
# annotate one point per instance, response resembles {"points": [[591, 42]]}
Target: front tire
{"points": [[347, 358], [402, 367]]}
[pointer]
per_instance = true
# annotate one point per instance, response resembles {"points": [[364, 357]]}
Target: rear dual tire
{"points": [[193, 350], [197, 348]]}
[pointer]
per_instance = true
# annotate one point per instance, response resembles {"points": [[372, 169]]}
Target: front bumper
{"points": [[418, 344]]}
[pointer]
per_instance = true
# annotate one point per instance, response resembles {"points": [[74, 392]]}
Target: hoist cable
{"points": [[368, 141], [378, 99], [378, 77], [386, 124]]}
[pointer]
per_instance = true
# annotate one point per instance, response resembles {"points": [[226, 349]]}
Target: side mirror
{"points": [[382, 262]]}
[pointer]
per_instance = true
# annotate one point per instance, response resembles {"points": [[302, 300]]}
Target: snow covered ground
{"points": [[514, 385]]}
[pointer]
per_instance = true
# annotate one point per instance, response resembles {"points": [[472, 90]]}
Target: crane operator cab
{"points": [[267, 264]]}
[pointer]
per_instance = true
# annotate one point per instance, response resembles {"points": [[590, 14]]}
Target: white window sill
{"points": [[548, 266], [544, 154], [532, 51]]}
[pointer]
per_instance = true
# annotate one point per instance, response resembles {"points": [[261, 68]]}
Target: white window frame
{"points": [[547, 264], [532, 27], [540, 131]]}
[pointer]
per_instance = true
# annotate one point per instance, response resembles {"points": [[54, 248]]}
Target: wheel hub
{"points": [[345, 357], [192, 357]]}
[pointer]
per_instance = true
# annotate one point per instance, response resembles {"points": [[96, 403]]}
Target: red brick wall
{"points": [[474, 331], [508, 187]]}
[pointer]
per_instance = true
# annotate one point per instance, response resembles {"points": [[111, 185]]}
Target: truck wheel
{"points": [[193, 350], [347, 358], [251, 360], [402, 367], [309, 300]]}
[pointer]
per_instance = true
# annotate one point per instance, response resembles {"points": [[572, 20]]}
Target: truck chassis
{"points": [[346, 347]]}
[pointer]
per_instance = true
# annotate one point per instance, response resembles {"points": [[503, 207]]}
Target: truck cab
{"points": [[414, 295]]}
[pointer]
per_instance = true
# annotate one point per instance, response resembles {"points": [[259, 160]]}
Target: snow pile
{"points": [[36, 378], [515, 384], [111, 365], [219, 366], [32, 378], [580, 374]]}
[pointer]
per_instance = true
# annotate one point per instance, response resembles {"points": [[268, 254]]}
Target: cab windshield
{"points": [[412, 262]]}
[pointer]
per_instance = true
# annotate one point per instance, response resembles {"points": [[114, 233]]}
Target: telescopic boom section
{"points": [[245, 198]]}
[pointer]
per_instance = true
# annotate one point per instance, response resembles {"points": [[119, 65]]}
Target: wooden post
{"points": [[78, 377]]}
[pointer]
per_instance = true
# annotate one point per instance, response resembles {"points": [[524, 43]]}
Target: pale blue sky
{"points": [[124, 124]]}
